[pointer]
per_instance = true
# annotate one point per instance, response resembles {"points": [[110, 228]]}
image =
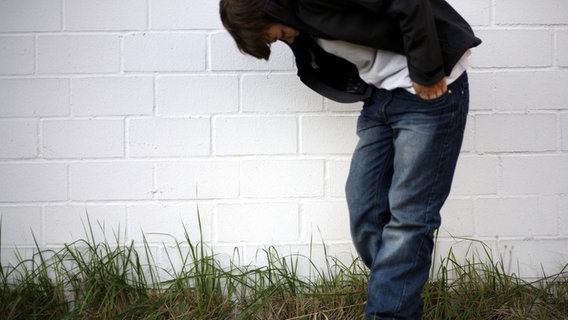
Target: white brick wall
{"points": [[164, 52], [142, 114], [82, 139], [546, 12], [197, 94], [168, 137], [103, 181], [30, 15], [256, 135], [198, 179], [59, 54], [18, 138], [34, 97], [86, 15], [562, 45], [282, 178], [17, 55], [112, 96], [258, 222], [28, 182]]}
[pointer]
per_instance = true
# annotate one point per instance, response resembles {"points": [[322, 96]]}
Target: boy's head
{"points": [[251, 29], [247, 24]]}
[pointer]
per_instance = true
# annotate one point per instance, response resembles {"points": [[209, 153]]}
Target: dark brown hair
{"points": [[247, 24]]}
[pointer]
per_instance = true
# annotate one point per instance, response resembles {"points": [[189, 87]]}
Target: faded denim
{"points": [[400, 176]]}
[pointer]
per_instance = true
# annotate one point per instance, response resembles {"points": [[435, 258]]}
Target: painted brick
{"points": [[564, 131], [515, 132], [468, 144], [518, 90], [263, 222], [548, 207], [342, 107], [476, 175], [17, 55], [206, 179], [109, 96], [482, 95], [30, 15], [326, 220], [33, 182], [18, 139], [170, 258], [82, 138], [184, 67], [164, 223], [463, 251], [226, 255], [34, 97], [23, 224], [191, 95], [282, 178], [185, 14], [563, 215], [225, 56], [329, 134], [164, 52], [278, 93], [83, 15], [535, 174], [337, 176], [562, 47], [457, 218], [256, 135], [98, 223], [111, 181], [308, 259], [12, 256], [168, 137], [78, 54], [513, 48], [533, 259], [545, 12], [529, 220], [477, 13]]}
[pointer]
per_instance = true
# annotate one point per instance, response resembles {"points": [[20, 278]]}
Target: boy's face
{"points": [[278, 31]]}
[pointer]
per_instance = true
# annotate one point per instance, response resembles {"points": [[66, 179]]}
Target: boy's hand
{"points": [[430, 92]]}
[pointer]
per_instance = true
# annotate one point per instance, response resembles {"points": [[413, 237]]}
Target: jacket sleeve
{"points": [[420, 38]]}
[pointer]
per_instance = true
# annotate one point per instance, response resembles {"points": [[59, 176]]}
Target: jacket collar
{"points": [[285, 11]]}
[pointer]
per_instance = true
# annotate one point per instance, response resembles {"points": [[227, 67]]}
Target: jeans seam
{"points": [[427, 218], [378, 183], [456, 112], [405, 285]]}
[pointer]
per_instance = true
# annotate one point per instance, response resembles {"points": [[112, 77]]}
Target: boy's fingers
{"points": [[430, 92]]}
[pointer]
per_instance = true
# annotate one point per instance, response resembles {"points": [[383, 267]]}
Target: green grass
{"points": [[480, 288], [90, 280]]}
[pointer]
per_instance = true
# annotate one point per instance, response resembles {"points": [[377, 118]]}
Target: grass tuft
{"points": [[112, 280], [480, 288]]}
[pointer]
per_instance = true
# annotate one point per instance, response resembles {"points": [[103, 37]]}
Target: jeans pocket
{"points": [[438, 100], [430, 102]]}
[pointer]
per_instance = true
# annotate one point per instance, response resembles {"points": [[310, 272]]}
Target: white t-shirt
{"points": [[380, 68]]}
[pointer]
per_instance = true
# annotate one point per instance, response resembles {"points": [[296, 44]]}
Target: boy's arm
{"points": [[416, 27], [421, 44]]}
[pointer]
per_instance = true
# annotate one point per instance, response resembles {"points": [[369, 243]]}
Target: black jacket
{"points": [[430, 33]]}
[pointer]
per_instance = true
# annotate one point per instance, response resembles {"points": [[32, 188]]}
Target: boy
{"points": [[407, 60]]}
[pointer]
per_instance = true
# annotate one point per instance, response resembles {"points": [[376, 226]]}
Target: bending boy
{"points": [[407, 60]]}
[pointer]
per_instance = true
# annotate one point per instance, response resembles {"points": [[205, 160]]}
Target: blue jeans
{"points": [[400, 176]]}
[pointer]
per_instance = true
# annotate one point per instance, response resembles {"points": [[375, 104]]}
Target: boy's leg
{"points": [[370, 177], [426, 140]]}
